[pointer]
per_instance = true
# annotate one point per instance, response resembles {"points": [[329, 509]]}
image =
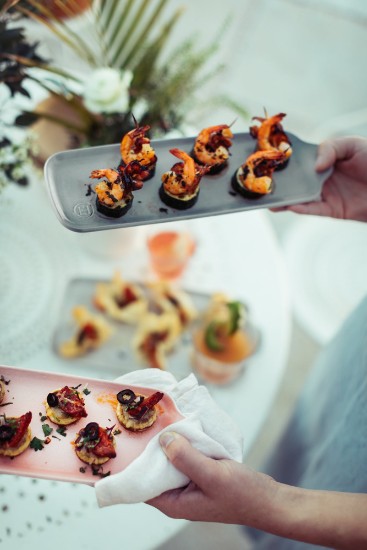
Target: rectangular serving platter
{"points": [[117, 356], [67, 177], [27, 391]]}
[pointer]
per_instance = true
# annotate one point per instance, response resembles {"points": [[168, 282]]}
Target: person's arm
{"points": [[226, 491], [344, 193]]}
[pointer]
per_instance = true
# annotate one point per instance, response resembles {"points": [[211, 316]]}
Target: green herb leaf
{"points": [[61, 430], [86, 391], [36, 444], [47, 430]]}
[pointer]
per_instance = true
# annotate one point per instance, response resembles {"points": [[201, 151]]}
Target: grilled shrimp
{"points": [[212, 144], [111, 191], [258, 169], [135, 145], [271, 136], [184, 177]]}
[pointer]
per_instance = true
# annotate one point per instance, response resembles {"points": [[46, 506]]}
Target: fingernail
{"points": [[166, 439]]}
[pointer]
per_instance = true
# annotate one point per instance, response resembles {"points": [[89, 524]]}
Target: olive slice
{"points": [[52, 400], [6, 432], [125, 397], [91, 431]]}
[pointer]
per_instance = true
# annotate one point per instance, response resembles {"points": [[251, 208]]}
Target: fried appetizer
{"points": [[136, 412], [95, 445], [92, 332], [136, 146], [211, 147], [155, 337], [120, 300], [15, 434], [65, 406], [254, 178], [2, 390], [270, 136], [168, 298], [180, 185]]}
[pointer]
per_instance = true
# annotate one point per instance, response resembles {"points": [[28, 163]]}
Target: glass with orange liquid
{"points": [[221, 359], [170, 252]]}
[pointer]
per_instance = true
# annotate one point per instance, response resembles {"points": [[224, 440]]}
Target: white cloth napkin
{"points": [[205, 425]]}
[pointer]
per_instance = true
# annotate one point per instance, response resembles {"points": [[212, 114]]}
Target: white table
{"points": [[236, 253]]}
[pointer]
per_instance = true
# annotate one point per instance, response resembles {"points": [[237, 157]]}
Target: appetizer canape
{"points": [[223, 341], [92, 332], [212, 146], [253, 179], [270, 136], [155, 337], [2, 390], [136, 146], [120, 300], [169, 298], [15, 434], [180, 185], [95, 445], [65, 406], [136, 412]]}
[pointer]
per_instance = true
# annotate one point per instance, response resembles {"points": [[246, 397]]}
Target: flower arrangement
{"points": [[128, 69]]}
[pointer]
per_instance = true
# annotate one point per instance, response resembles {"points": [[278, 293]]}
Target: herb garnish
{"points": [[47, 430], [86, 391], [36, 444], [62, 431]]}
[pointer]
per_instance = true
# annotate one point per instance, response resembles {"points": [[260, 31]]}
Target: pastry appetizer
{"points": [[270, 136], [254, 178], [136, 146], [212, 147], [65, 406], [120, 300], [155, 337], [92, 332], [2, 391], [15, 434], [180, 185], [95, 445], [135, 411], [223, 341], [168, 298]]}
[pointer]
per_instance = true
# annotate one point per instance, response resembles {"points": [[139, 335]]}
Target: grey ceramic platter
{"points": [[67, 177]]}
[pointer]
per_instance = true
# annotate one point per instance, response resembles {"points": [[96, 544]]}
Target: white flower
{"points": [[107, 91]]}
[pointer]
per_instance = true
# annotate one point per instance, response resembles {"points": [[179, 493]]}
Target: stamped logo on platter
{"points": [[83, 209]]}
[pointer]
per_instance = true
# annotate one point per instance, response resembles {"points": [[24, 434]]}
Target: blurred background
{"points": [[222, 61]]}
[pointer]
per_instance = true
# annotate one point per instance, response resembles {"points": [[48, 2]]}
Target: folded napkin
{"points": [[206, 426]]}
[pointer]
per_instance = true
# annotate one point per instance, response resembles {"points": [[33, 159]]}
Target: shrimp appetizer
{"points": [[95, 445], [65, 406], [122, 301], [270, 136], [92, 332], [212, 147], [15, 434], [155, 337], [136, 146], [254, 178], [180, 185], [135, 412]]}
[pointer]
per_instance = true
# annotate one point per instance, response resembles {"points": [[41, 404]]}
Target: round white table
{"points": [[237, 253]]}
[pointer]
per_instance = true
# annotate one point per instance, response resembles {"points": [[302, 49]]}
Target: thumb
{"points": [[186, 458]]}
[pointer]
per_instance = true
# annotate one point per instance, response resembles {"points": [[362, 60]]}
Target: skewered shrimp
{"points": [[212, 147], [254, 177], [270, 135], [180, 185], [136, 146]]}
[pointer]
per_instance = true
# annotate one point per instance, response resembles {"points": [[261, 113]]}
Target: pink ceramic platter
{"points": [[27, 390]]}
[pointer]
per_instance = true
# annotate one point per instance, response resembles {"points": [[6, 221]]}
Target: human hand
{"points": [[344, 193], [219, 491]]}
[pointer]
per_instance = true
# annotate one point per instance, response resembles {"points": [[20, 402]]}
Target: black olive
{"points": [[91, 431], [52, 400], [125, 397], [6, 432]]}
